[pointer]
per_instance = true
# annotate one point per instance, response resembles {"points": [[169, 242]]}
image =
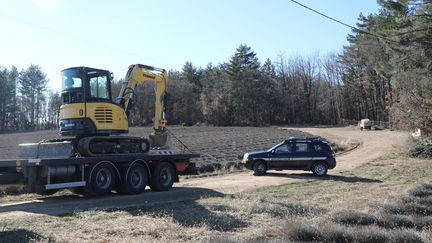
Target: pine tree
{"points": [[245, 87], [214, 98], [33, 84]]}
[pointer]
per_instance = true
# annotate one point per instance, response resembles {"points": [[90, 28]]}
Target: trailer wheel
{"points": [[163, 177], [135, 180], [102, 179]]}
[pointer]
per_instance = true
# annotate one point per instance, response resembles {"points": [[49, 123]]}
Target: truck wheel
{"points": [[135, 180], [319, 169], [163, 177], [259, 168], [102, 179]]}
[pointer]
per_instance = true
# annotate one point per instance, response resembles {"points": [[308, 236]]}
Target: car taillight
{"points": [[333, 153]]}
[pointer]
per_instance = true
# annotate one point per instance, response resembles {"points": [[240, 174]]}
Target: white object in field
{"points": [[416, 133], [365, 124]]}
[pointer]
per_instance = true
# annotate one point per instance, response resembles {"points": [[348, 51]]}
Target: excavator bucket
{"points": [[158, 140], [62, 149]]}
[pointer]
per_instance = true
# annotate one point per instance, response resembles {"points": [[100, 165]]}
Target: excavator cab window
{"points": [[99, 87], [72, 86], [71, 79], [83, 84]]}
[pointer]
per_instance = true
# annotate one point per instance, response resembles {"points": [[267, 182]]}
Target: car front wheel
{"points": [[319, 169], [259, 168]]}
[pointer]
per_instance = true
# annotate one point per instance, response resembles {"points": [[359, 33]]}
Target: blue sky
{"points": [[109, 34]]}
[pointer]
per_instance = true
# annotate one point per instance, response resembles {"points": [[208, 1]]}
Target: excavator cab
{"points": [[87, 107], [83, 84]]}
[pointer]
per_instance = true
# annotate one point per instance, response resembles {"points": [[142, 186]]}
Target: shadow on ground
{"points": [[340, 178], [180, 203], [21, 235], [193, 214]]}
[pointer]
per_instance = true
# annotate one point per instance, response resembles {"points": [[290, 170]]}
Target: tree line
{"points": [[383, 73], [25, 102], [244, 92]]}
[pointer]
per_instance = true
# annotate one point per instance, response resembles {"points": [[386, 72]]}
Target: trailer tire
{"points": [[163, 177], [135, 179], [102, 179]]}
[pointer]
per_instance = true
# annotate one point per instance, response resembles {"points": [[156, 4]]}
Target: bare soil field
{"points": [[218, 146], [370, 182]]}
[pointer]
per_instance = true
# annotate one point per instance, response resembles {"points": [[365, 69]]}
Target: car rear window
{"points": [[321, 147]]}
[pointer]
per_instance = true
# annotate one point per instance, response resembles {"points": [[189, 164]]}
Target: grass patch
{"points": [[421, 149], [12, 190], [354, 218], [331, 232], [368, 204]]}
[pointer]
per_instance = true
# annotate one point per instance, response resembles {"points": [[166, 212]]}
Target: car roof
{"points": [[304, 139]]}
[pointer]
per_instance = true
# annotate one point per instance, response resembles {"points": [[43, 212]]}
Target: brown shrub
{"points": [[404, 236], [422, 191], [354, 218], [396, 221]]}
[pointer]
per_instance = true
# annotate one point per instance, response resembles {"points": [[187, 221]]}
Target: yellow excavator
{"points": [[89, 114]]}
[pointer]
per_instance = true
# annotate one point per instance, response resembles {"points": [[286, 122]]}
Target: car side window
{"points": [[301, 147], [318, 147], [285, 148]]}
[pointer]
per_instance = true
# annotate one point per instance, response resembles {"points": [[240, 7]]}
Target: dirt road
{"points": [[372, 145]]}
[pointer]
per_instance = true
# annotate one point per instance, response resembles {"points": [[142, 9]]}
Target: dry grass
{"points": [[382, 201]]}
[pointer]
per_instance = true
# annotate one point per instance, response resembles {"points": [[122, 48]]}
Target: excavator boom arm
{"points": [[137, 75]]}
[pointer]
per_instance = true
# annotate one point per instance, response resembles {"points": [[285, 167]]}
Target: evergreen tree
{"points": [[245, 87], [214, 98], [33, 84], [192, 75], [270, 94], [8, 106]]}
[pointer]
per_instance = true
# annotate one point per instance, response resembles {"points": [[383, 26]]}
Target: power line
{"points": [[345, 24], [82, 39]]}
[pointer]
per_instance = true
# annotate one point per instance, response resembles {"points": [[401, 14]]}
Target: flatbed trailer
{"points": [[98, 175]]}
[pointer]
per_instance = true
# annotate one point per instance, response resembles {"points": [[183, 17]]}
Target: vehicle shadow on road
{"points": [[193, 214], [340, 178], [180, 203], [20, 235]]}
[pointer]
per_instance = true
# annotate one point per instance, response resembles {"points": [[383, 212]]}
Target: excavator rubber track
{"points": [[94, 146], [111, 145]]}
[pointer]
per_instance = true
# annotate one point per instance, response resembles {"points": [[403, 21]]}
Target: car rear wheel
{"points": [[319, 169], [260, 168]]}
